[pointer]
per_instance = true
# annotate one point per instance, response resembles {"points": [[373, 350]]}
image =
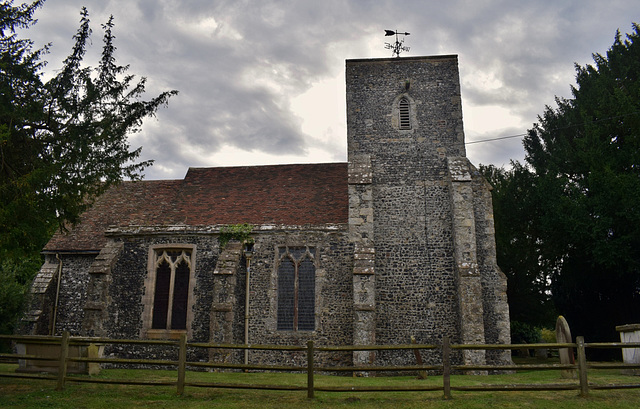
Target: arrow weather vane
{"points": [[398, 46]]}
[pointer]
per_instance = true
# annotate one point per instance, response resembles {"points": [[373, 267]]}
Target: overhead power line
{"points": [[556, 129], [496, 139]]}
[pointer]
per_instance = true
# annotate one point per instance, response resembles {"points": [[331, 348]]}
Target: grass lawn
{"points": [[30, 393]]}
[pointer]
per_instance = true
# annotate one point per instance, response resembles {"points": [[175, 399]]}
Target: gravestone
{"points": [[563, 336]]}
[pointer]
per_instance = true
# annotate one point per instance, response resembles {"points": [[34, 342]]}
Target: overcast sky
{"points": [[262, 82]]}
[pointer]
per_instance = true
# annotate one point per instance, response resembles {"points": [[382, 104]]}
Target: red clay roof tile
{"points": [[278, 194]]}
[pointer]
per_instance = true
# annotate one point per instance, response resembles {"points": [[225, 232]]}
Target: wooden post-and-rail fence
{"points": [[64, 342]]}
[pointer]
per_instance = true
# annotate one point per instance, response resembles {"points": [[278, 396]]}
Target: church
{"points": [[396, 243]]}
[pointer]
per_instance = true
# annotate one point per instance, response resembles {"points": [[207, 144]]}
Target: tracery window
{"points": [[168, 297], [404, 113], [171, 290], [296, 288]]}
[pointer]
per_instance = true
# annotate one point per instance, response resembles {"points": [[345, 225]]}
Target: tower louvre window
{"points": [[404, 113]]}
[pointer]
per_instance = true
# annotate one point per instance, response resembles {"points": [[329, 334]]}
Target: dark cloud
{"points": [[240, 64]]}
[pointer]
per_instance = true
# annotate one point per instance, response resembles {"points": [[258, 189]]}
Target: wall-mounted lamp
{"points": [[248, 250]]}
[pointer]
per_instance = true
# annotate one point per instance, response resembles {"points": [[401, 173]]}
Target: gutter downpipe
{"points": [[55, 305], [248, 253]]}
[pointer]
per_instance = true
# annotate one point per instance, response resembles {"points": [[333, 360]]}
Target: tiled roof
{"points": [[129, 203], [280, 194]]}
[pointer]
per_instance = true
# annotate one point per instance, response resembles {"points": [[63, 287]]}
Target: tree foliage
{"points": [[580, 205], [63, 142], [519, 251]]}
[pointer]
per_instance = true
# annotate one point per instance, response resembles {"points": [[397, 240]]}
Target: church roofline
{"points": [[294, 195], [282, 165]]}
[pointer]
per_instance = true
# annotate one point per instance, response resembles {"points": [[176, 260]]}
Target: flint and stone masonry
{"points": [[396, 243], [418, 231]]}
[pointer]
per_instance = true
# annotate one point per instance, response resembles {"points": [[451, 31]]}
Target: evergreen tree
{"points": [[586, 158], [581, 211], [62, 142]]}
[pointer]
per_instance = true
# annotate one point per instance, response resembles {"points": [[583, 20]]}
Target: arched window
{"points": [[296, 289], [168, 287], [170, 301], [404, 113]]}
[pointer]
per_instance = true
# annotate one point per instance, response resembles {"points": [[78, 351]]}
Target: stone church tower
{"points": [[420, 214]]}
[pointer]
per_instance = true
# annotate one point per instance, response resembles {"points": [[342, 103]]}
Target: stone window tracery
{"points": [[296, 288], [171, 290], [168, 291]]}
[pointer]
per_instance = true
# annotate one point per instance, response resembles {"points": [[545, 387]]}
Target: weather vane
{"points": [[398, 46]]}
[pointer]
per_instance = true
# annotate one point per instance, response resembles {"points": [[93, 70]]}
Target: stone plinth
{"points": [[630, 333], [53, 351]]}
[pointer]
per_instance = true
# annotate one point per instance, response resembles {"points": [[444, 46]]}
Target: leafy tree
{"points": [[516, 209], [62, 142], [581, 211]]}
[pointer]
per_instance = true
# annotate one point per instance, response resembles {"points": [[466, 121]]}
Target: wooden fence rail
{"points": [[446, 368]]}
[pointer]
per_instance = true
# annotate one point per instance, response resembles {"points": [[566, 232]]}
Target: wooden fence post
{"points": [[182, 363], [446, 367], [62, 363], [310, 394], [582, 367]]}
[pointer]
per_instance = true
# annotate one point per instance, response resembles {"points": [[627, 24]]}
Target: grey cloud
{"points": [[238, 63], [498, 152]]}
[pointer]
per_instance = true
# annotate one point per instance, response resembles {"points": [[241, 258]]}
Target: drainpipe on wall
{"points": [[55, 304], [248, 253]]}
